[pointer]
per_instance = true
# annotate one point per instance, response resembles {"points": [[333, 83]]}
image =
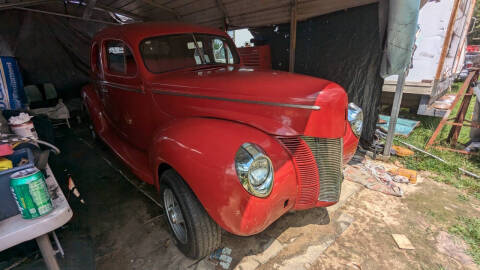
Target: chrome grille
{"points": [[307, 172], [328, 156]]}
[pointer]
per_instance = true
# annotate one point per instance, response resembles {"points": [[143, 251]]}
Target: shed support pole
{"points": [[397, 101], [293, 36], [87, 13]]}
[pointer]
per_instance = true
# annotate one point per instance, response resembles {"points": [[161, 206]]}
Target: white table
{"points": [[16, 230]]}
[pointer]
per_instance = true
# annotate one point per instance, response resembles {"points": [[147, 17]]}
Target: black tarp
{"points": [[48, 48], [344, 47]]}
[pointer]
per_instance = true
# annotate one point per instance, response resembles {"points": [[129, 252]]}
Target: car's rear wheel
{"points": [[196, 234]]}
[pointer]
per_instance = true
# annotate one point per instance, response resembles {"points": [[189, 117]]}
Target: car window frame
{"points": [[234, 52], [106, 70]]}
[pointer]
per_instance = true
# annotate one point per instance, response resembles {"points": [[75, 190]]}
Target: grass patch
{"points": [[469, 230], [462, 198], [445, 173]]}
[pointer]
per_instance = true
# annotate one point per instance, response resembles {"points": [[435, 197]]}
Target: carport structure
{"points": [[350, 42], [214, 13]]}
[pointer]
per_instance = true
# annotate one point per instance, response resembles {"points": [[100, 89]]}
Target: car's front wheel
{"points": [[196, 234]]}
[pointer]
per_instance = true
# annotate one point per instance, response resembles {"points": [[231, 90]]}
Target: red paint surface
{"points": [[199, 137]]}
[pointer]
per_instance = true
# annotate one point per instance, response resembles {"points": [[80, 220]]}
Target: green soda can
{"points": [[31, 193]]}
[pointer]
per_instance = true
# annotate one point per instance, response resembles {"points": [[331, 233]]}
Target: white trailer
{"points": [[439, 54]]}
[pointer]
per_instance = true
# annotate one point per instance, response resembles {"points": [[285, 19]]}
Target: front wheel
{"points": [[196, 234]]}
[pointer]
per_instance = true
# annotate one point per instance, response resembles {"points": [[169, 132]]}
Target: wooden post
{"points": [[446, 41], [463, 37], [465, 86], [293, 35]]}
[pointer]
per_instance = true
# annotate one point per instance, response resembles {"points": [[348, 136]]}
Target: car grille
{"points": [[328, 155], [319, 168]]}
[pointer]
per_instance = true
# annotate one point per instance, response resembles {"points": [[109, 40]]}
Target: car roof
{"points": [[136, 32]]}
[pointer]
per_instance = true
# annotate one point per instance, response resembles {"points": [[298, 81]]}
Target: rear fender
{"points": [[202, 151], [92, 102]]}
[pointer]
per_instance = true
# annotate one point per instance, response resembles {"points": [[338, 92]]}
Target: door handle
{"points": [[103, 89]]}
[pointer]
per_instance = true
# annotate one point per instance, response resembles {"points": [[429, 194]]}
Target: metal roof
{"points": [[214, 13]]}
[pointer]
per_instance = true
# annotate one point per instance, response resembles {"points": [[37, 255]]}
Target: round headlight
{"points": [[254, 170], [355, 117]]}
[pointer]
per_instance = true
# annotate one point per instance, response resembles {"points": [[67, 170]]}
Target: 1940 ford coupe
{"points": [[227, 146]]}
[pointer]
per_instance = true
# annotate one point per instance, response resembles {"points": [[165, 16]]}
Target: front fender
{"points": [[202, 151]]}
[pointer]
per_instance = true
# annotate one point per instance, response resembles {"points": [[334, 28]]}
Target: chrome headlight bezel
{"points": [[355, 118], [249, 156]]}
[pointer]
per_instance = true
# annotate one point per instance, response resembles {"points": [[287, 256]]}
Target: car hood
{"points": [[277, 102]]}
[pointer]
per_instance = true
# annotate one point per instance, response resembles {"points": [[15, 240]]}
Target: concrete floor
{"points": [[119, 227]]}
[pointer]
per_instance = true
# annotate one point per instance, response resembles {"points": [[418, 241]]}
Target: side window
{"points": [[219, 51], [119, 58]]}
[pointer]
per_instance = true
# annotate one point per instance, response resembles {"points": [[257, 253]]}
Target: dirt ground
{"points": [[120, 227], [424, 215]]}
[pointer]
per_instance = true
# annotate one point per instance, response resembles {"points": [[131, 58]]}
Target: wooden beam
{"points": [[455, 130], [446, 41], [293, 35], [226, 19], [171, 10], [463, 37], [87, 13], [465, 86]]}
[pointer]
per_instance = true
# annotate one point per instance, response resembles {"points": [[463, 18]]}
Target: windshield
{"points": [[166, 53]]}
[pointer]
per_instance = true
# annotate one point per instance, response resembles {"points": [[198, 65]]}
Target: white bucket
{"points": [[25, 130]]}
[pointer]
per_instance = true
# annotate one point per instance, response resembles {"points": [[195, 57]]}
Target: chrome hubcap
{"points": [[175, 216]]}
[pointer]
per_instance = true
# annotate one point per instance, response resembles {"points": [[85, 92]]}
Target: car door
{"points": [[127, 105]]}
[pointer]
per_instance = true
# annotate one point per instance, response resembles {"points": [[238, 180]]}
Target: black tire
{"points": [[203, 234]]}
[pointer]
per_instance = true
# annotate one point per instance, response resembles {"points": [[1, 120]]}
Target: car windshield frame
{"points": [[231, 45]]}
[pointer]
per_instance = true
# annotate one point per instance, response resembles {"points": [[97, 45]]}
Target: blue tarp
{"points": [[403, 128], [401, 30]]}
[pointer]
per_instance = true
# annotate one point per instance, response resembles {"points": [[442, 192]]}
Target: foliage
{"points": [[469, 230], [444, 173]]}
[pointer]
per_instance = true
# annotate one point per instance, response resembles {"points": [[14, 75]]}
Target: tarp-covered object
{"points": [[343, 47], [48, 48], [402, 26]]}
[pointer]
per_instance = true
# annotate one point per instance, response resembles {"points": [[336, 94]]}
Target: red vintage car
{"points": [[226, 146]]}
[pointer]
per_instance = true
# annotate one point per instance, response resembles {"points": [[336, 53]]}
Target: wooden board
{"points": [[418, 88], [402, 241]]}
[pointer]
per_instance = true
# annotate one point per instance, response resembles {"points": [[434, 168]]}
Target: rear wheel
{"points": [[195, 233]]}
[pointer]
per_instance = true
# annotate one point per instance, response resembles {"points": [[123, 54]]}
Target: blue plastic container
{"points": [[12, 94], [8, 206]]}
